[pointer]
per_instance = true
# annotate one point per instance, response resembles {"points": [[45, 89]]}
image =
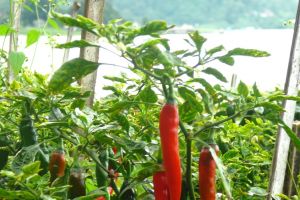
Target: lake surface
{"points": [[268, 72]]}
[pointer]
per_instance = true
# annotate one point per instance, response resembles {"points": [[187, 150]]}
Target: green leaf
{"points": [[223, 173], [256, 91], [226, 60], [31, 168], [123, 121], [207, 101], [53, 23], [147, 95], [80, 22], [71, 71], [215, 50], [32, 37], [283, 97], [76, 43], [198, 39], [190, 97], [271, 106], [247, 52], [154, 27], [5, 29], [187, 112], [291, 134], [207, 86], [115, 79], [16, 61], [243, 89], [257, 191], [186, 93], [215, 73]]}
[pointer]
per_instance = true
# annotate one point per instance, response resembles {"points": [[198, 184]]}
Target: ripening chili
{"points": [[76, 181], [161, 191], [168, 125], [207, 173], [57, 165]]}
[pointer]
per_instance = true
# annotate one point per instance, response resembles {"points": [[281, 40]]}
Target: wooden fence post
{"points": [[280, 156], [94, 9]]}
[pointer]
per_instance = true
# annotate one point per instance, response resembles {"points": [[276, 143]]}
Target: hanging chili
{"points": [[161, 191], [168, 125], [57, 165], [76, 181], [207, 173]]}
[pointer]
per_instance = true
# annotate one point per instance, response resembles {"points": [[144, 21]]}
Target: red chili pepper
{"points": [[161, 191], [57, 165], [168, 125], [207, 173], [101, 198]]}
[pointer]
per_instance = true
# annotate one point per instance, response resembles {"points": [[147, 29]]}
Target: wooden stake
{"points": [[15, 17], [283, 141], [94, 9]]}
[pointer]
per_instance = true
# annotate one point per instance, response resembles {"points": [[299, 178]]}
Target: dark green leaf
{"points": [[247, 52], [208, 103], [123, 121], [186, 93], [154, 27], [76, 43], [198, 39], [32, 37], [291, 134], [80, 22], [215, 73], [71, 71], [16, 60], [207, 86], [256, 91], [147, 95], [215, 50], [227, 60], [243, 89]]}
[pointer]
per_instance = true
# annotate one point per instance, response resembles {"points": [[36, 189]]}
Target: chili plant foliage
{"points": [[113, 150]]}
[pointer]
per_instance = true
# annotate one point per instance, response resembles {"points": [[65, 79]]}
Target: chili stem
{"points": [[188, 161]]}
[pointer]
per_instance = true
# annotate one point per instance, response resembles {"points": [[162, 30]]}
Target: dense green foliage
{"points": [[242, 121]]}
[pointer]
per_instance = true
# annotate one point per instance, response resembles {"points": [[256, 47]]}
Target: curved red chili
{"points": [[168, 125], [207, 173], [161, 191]]}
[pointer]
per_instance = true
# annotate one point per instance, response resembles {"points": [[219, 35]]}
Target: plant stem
{"points": [[188, 161]]}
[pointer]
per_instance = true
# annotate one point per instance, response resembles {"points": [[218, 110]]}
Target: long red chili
{"points": [[161, 191], [207, 173], [57, 165], [168, 125]]}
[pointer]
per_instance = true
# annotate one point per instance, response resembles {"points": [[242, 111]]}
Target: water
{"points": [[268, 72]]}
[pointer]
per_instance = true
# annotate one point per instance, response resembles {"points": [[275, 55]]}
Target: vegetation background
{"points": [[213, 14]]}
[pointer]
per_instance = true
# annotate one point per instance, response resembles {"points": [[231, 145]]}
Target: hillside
{"points": [[210, 14]]}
